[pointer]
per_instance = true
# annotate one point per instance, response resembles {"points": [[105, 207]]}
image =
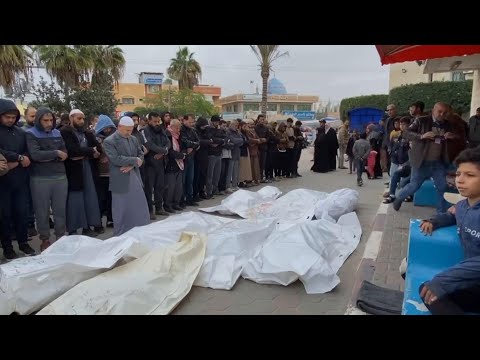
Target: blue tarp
{"points": [[361, 117]]}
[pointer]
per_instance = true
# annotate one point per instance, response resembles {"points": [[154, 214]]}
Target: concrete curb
{"points": [[366, 268]]}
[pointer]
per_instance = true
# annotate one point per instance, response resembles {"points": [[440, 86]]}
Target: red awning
{"points": [[390, 54]]}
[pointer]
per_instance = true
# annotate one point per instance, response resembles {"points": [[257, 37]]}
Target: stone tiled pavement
{"points": [[248, 297], [395, 243]]}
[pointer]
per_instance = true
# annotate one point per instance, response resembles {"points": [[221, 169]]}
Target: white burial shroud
{"points": [[277, 242]]}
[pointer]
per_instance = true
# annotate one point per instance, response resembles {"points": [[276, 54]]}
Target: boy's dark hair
{"points": [[363, 135], [405, 120], [468, 156], [153, 114], [419, 104], [298, 123]]}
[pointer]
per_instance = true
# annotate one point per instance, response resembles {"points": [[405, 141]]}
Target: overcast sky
{"points": [[329, 71]]}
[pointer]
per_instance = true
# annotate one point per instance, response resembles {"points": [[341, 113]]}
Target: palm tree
{"points": [[14, 59], [266, 55], [108, 59], [67, 64], [185, 69]]}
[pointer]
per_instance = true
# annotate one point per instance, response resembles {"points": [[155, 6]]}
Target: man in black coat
{"points": [[14, 185], [83, 210]]}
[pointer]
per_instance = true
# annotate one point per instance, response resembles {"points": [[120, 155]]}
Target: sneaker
{"points": [[408, 199], [26, 249], [9, 254], [397, 205], [109, 224], [32, 231], [359, 182]]}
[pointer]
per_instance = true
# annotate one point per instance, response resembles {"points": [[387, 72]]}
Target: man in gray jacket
{"points": [[361, 149], [48, 179], [129, 204]]}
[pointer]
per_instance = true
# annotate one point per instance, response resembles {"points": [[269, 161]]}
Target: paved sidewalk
{"points": [[386, 247], [395, 244]]}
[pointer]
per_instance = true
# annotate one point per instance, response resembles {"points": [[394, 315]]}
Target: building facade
{"points": [[411, 72], [132, 95]]}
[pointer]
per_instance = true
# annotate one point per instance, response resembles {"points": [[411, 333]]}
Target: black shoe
{"points": [[169, 209], [52, 224], [99, 229], [359, 182], [208, 197], [176, 207], [109, 224], [397, 204], [196, 199], [32, 231], [408, 199], [9, 254], [298, 175], [192, 203], [89, 232], [204, 196], [26, 249], [152, 216], [183, 206]]}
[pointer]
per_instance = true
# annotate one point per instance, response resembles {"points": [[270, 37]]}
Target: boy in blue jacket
{"points": [[456, 290]]}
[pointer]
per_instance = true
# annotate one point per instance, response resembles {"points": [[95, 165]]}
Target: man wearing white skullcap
{"points": [[129, 204], [83, 210]]}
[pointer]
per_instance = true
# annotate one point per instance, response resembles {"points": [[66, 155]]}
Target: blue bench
{"points": [[427, 256], [427, 195]]}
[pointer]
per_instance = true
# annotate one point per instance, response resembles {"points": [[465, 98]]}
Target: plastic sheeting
{"points": [[29, 283], [242, 201], [276, 243], [151, 285], [312, 252]]}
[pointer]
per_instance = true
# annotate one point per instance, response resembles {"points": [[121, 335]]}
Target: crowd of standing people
{"points": [[129, 170]]}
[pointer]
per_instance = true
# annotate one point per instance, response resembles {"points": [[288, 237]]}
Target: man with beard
{"points": [[48, 180], [190, 144], [219, 138], [166, 118], [141, 140], [129, 207], [13, 185], [262, 131], [157, 145], [201, 159], [30, 123], [332, 143], [103, 129], [82, 204]]}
